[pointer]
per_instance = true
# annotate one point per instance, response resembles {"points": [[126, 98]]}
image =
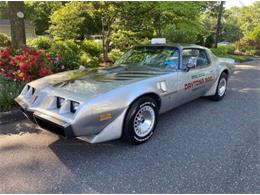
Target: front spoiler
{"points": [[65, 129], [57, 127]]}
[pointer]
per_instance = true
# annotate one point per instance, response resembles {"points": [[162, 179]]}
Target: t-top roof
{"points": [[180, 46]]}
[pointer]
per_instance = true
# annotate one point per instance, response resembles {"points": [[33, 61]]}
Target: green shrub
{"points": [[245, 46], [114, 54], [69, 51], [88, 60], [220, 51], [255, 34], [8, 91], [42, 42], [209, 41], [5, 41], [92, 47], [231, 48], [257, 52]]}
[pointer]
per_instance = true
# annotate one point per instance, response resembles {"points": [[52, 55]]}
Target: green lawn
{"points": [[237, 58]]}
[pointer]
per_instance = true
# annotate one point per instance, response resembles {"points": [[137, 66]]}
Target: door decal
{"points": [[198, 82]]}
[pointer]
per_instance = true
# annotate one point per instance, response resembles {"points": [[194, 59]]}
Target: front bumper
{"points": [[55, 126], [51, 121]]}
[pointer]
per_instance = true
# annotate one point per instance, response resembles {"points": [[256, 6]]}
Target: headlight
{"points": [[60, 102], [74, 106]]}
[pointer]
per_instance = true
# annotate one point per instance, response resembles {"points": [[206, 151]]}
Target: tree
{"points": [[75, 20], [4, 10], [39, 13], [16, 10], [218, 27], [108, 12], [249, 17], [230, 26]]}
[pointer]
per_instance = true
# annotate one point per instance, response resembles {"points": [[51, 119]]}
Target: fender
{"points": [[213, 88]]}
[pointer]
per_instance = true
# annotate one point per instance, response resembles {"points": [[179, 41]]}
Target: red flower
{"points": [[5, 53], [24, 67], [16, 77], [43, 72], [48, 55], [20, 58], [7, 75], [12, 62], [24, 77], [32, 62], [40, 64], [30, 77]]}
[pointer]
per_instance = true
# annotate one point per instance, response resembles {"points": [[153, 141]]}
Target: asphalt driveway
{"points": [[200, 147]]}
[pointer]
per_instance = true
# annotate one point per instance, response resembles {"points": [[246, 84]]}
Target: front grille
{"points": [[50, 126]]}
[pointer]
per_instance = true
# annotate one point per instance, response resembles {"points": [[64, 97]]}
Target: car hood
{"points": [[87, 84]]}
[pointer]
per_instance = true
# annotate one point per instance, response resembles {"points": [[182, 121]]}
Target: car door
{"points": [[194, 82]]}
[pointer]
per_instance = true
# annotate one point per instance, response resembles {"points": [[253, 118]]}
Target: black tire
{"points": [[129, 133], [218, 96]]}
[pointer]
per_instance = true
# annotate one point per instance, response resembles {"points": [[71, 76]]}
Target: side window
{"points": [[203, 59], [197, 56]]}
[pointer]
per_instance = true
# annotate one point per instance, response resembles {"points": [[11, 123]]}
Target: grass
{"points": [[222, 51], [237, 58], [8, 91]]}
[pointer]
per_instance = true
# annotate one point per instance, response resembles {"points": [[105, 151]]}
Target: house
{"points": [[6, 28]]}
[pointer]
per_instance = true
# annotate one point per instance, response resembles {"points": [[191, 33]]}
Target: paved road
{"points": [[199, 147]]}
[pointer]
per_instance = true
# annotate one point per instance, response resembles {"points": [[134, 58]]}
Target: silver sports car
{"points": [[125, 100]]}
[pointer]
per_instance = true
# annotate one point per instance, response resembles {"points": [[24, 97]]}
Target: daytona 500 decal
{"points": [[197, 82]]}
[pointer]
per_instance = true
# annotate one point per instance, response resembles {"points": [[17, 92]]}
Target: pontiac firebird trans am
{"points": [[126, 99]]}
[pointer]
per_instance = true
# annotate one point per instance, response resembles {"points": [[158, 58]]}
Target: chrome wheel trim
{"points": [[144, 121], [222, 86]]}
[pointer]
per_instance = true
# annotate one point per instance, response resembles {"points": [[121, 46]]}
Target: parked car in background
{"points": [[223, 43]]}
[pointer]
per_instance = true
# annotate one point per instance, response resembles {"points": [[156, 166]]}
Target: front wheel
{"points": [[221, 88], [141, 120]]}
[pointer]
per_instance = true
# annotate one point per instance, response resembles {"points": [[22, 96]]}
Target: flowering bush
{"points": [[27, 64], [4, 40]]}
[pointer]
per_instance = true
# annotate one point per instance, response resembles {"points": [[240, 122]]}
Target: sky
{"points": [[238, 3]]}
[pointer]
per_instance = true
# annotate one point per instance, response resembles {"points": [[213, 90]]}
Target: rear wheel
{"points": [[221, 88], [141, 120]]}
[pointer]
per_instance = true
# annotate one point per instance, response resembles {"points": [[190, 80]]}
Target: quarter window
{"points": [[197, 56]]}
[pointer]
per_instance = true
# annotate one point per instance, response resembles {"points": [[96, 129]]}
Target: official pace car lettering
{"points": [[198, 82]]}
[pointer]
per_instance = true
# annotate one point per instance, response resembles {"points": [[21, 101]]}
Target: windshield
{"points": [[154, 57]]}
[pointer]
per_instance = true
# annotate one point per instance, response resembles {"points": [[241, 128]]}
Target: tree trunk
{"points": [[218, 29], [17, 23], [104, 44]]}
